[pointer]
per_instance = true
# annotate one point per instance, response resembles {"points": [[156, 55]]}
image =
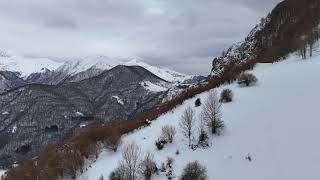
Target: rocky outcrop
{"points": [[293, 25]]}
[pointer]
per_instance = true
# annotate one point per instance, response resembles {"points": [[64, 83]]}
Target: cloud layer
{"points": [[183, 34]]}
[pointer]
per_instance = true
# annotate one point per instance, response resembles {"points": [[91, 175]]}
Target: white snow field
{"points": [[2, 173], [276, 122]]}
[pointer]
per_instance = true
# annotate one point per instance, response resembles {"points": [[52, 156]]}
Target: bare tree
{"points": [[120, 173], [194, 171], [148, 166], [187, 123], [131, 157], [211, 113], [168, 133]]}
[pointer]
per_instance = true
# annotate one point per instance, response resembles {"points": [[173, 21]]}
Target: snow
{"points": [[14, 129], [5, 113], [77, 65], [119, 100], [83, 125], [105, 63], [276, 122], [25, 65], [10, 61], [79, 114], [152, 87], [2, 172], [164, 73]]}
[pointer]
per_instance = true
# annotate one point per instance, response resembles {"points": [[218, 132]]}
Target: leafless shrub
{"points": [[194, 171], [148, 166], [120, 173], [168, 133], [169, 162], [203, 139], [160, 143], [226, 96], [247, 79]]}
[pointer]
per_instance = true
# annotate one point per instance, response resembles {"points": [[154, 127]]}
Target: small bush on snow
{"points": [[197, 103], [120, 173], [101, 177], [247, 79], [177, 152], [168, 133], [169, 162], [226, 96], [148, 166], [160, 143], [203, 139], [194, 171]]}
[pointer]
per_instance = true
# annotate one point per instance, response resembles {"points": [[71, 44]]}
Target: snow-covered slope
{"points": [[276, 122], [164, 73], [77, 65], [2, 173], [25, 66]]}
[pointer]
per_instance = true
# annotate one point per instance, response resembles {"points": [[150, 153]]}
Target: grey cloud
{"points": [[183, 34]]}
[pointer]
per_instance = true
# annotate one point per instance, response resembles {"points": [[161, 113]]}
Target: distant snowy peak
{"points": [[85, 67], [101, 62], [164, 73], [77, 65], [24, 65]]}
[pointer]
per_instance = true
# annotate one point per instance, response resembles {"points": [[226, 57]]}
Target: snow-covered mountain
{"points": [[266, 122], [24, 65], [47, 71], [164, 73]]}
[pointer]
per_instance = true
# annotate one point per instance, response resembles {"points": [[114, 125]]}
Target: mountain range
{"points": [[42, 101], [46, 71]]}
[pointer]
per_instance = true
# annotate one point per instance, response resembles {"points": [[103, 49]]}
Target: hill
{"points": [[275, 122], [35, 115]]}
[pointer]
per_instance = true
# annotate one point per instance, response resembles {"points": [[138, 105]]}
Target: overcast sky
{"points": [[181, 34]]}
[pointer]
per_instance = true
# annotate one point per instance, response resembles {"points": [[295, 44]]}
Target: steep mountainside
{"points": [[34, 115], [9, 80], [291, 26]]}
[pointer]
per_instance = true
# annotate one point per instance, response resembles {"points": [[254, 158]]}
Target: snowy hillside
{"points": [[1, 172], [164, 73], [77, 65], [25, 66], [276, 122]]}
